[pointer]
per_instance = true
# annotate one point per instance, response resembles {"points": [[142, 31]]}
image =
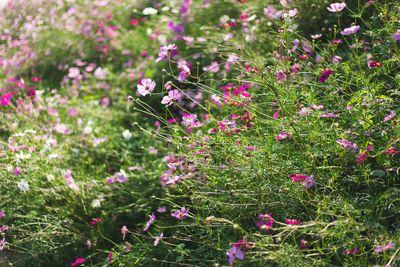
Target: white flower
{"points": [[53, 156], [149, 11], [23, 185], [87, 130], [127, 134], [50, 177], [96, 203]]}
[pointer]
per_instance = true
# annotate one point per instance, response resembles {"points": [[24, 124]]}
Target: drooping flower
{"points": [[265, 221], [123, 231], [350, 30], [149, 222], [233, 253], [110, 257], [158, 239], [78, 261], [180, 214], [308, 182], [170, 98], [146, 86], [302, 244], [293, 222], [325, 75], [336, 7], [185, 72]]}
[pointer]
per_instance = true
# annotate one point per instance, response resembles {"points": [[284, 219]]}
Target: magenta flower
{"points": [[233, 253], [336, 7], [297, 177], [325, 75], [335, 42], [392, 150], [364, 155], [180, 214], [123, 230], [243, 243], [17, 171], [373, 64], [110, 258], [265, 221], [276, 114], [302, 244], [146, 86], [72, 111], [351, 252], [184, 73], [350, 30], [149, 222], [6, 99], [293, 222], [158, 238], [95, 221], [390, 116], [78, 261], [170, 98]]}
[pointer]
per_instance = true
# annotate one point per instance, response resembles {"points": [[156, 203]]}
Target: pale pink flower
{"points": [[170, 98], [350, 30], [158, 238], [336, 7], [146, 86]]}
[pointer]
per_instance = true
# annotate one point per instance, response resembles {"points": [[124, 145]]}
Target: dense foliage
{"points": [[199, 133]]}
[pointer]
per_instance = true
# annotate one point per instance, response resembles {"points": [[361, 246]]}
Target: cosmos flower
{"points": [[149, 222], [146, 86], [233, 253], [180, 214], [336, 7], [350, 30]]}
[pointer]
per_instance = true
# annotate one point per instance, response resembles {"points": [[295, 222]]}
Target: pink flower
{"points": [[214, 67], [180, 214], [233, 253], [72, 111], [293, 222], [276, 114], [390, 116], [283, 135], [184, 73], [302, 244], [280, 76], [316, 36], [265, 221], [158, 239], [78, 261], [149, 222], [164, 51], [350, 252], [325, 75], [169, 99], [162, 209], [2, 214], [146, 86], [350, 30], [381, 248], [17, 171], [243, 243], [335, 42], [336, 7], [123, 230]]}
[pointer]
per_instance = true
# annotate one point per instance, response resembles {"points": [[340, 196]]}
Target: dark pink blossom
{"points": [[325, 75]]}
